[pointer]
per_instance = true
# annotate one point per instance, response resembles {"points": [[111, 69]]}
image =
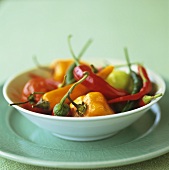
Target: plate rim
{"points": [[86, 165]]}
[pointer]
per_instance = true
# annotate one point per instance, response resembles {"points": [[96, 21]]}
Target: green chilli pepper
{"points": [[137, 84]]}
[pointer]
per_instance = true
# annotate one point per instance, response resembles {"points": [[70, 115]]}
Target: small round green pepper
{"points": [[120, 79]]}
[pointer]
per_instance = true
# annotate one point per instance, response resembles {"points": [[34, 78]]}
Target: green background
{"points": [[34, 27]]}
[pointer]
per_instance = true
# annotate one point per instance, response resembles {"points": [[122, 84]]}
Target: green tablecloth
{"points": [[160, 163]]}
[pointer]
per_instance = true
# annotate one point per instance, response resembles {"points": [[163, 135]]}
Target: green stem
{"points": [[124, 65], [19, 103], [71, 50], [94, 69], [62, 108], [127, 59], [31, 99], [75, 104], [40, 66], [63, 82], [147, 99], [73, 86], [81, 108], [84, 48], [137, 83], [82, 51]]}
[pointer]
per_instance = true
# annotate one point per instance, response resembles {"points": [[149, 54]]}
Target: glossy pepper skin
{"points": [[37, 84], [96, 105], [96, 83], [146, 88], [59, 68], [104, 72], [137, 85], [53, 97]]}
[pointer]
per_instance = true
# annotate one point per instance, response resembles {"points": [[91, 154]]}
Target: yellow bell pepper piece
{"points": [[96, 105]]}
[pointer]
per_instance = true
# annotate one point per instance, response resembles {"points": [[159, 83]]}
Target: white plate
{"points": [[145, 139]]}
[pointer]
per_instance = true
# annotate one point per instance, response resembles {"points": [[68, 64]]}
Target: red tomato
{"points": [[37, 84]]}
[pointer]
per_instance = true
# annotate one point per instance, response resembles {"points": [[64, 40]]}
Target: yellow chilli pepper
{"points": [[59, 68], [105, 71], [95, 104]]}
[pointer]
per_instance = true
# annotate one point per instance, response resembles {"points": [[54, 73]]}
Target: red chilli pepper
{"points": [[96, 83], [147, 86], [37, 84]]}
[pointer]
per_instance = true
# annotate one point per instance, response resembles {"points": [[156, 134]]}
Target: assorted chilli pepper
{"points": [[95, 83], [137, 84], [79, 89], [34, 90], [146, 88], [62, 108], [49, 99]]}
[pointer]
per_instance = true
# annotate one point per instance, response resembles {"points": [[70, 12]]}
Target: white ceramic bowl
{"points": [[74, 128]]}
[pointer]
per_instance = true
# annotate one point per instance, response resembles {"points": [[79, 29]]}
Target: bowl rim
{"points": [[104, 117]]}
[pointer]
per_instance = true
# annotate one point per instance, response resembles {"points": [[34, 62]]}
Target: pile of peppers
{"points": [[79, 89]]}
